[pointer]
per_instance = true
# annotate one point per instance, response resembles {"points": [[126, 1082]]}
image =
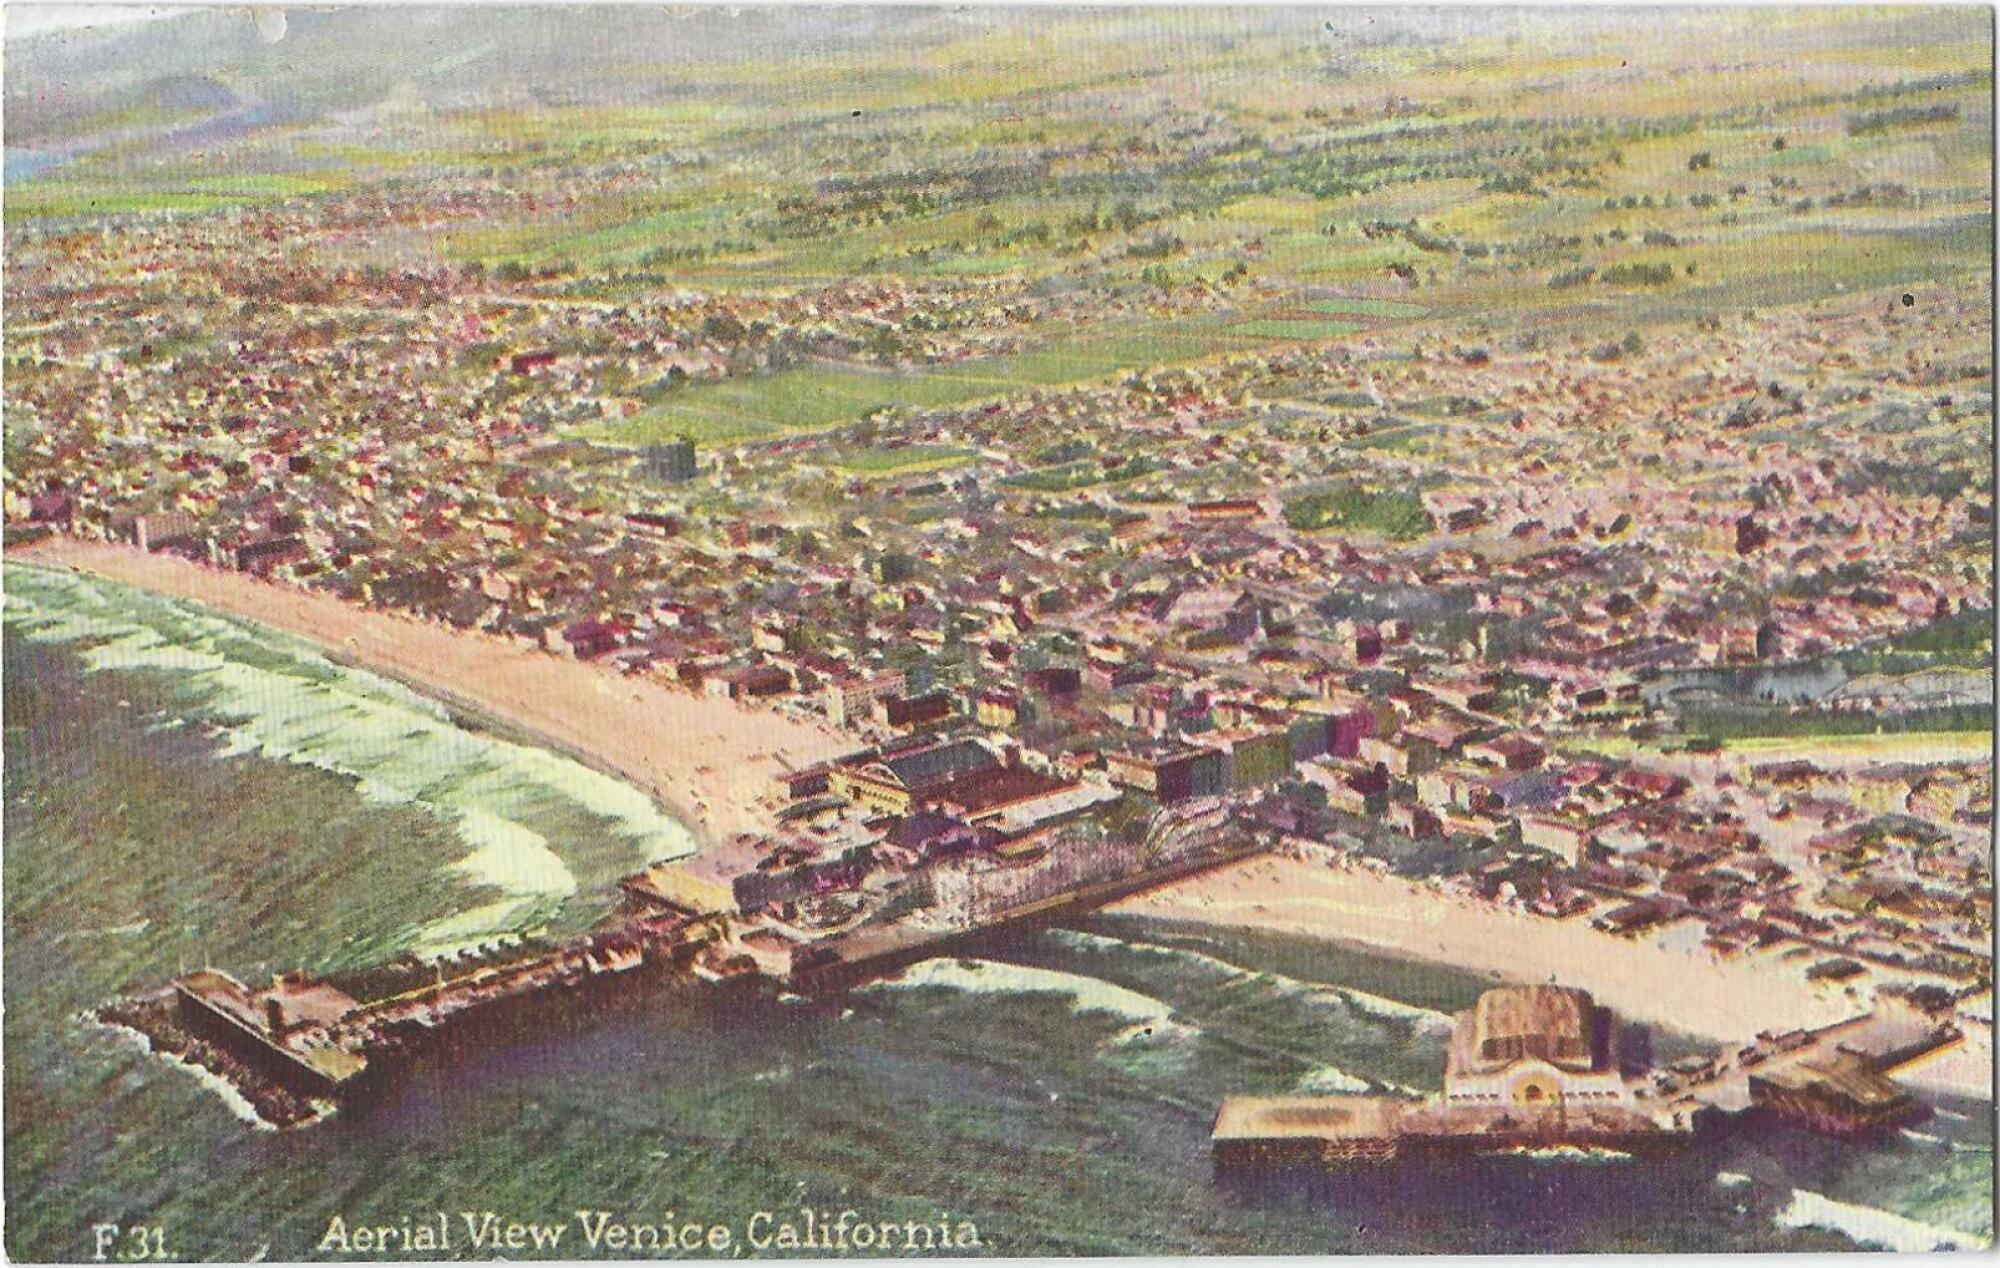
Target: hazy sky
{"points": [[27, 19]]}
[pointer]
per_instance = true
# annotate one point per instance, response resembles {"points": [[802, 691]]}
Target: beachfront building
{"points": [[162, 530], [853, 697], [700, 884], [1529, 1067], [1534, 1046], [1254, 756], [1170, 772], [894, 783]]}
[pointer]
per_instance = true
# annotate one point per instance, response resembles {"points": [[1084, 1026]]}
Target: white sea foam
{"points": [[1098, 942], [491, 924], [1155, 1034], [1922, 1137], [1086, 994], [1328, 1078], [131, 930], [1428, 1020], [238, 1104], [1731, 1179], [1870, 1226], [1378, 1007], [1086, 940], [512, 858], [277, 697], [234, 1100], [1572, 1153]]}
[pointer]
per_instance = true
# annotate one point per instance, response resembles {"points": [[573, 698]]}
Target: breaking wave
{"points": [[1572, 1153], [1329, 1078], [1145, 1016], [1423, 1019], [487, 927], [238, 1105], [265, 693], [511, 858], [1868, 1226], [1377, 1007]]}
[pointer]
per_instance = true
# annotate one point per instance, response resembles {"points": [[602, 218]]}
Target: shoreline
{"points": [[1723, 1002], [708, 762]]}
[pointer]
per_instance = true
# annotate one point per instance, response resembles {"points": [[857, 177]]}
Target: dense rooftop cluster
{"points": [[1433, 471]]}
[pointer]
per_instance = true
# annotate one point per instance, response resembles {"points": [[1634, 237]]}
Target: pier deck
{"points": [[304, 1038], [1835, 1078], [847, 960], [1278, 1131]]}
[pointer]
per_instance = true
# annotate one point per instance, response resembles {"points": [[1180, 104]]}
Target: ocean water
{"points": [[183, 789], [537, 840]]}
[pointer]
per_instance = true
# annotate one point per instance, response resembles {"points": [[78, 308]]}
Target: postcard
{"points": [[868, 632]]}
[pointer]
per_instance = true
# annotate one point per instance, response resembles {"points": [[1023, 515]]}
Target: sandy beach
{"points": [[710, 762], [1724, 1001]]}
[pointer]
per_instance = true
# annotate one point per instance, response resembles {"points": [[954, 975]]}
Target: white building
{"points": [[851, 698]]}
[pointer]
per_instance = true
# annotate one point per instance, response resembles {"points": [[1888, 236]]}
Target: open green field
{"points": [[1903, 746], [1391, 513], [818, 397], [903, 460], [1365, 306], [1070, 476], [1899, 746], [1291, 328], [622, 235], [56, 197], [39, 200]]}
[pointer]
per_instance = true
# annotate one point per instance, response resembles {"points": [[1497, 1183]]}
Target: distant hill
{"points": [[62, 86], [214, 66]]}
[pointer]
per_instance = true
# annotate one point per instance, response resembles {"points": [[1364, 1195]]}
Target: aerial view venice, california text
{"points": [[882, 631]]}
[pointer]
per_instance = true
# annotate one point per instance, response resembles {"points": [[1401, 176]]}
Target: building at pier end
{"points": [[1534, 1046]]}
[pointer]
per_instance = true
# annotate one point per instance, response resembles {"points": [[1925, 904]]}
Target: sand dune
{"points": [[711, 762]]}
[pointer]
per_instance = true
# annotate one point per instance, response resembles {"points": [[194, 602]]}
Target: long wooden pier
{"points": [[1835, 1079], [857, 957], [302, 1042]]}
